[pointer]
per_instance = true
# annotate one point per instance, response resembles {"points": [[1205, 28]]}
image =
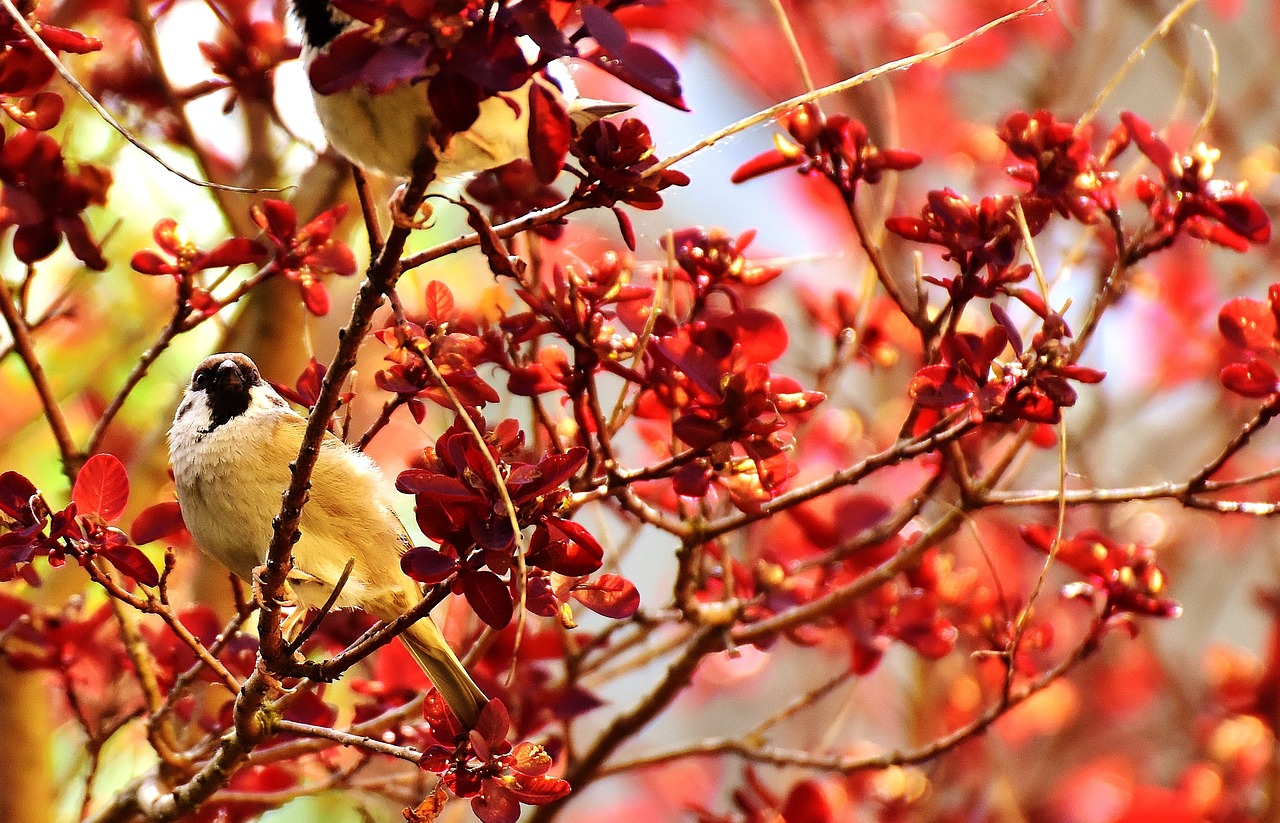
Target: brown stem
{"points": [[71, 456]]}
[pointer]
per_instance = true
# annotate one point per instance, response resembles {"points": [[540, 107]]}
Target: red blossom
{"points": [[837, 147], [1125, 575], [1252, 325], [616, 160], [45, 201], [25, 71], [247, 53], [187, 258], [1059, 165], [1188, 198], [484, 766], [455, 354], [307, 254], [460, 505], [975, 235], [1034, 387]]}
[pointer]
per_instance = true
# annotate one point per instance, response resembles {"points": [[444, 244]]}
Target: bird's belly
{"points": [[383, 132]]}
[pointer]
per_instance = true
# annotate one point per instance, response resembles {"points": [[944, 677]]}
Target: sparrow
{"points": [[231, 443], [383, 132]]}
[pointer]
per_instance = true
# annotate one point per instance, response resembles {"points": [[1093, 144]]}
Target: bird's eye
{"points": [[200, 380]]}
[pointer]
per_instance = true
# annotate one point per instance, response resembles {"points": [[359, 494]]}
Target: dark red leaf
{"points": [[155, 522], [493, 723], [102, 487], [130, 560], [549, 133], [488, 596], [495, 803], [16, 492], [428, 566], [806, 803]]}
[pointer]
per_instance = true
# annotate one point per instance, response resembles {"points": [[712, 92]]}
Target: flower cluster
{"points": [[1059, 166], [1187, 198], [616, 162], [837, 147], [484, 766], [1252, 325], [307, 254], [46, 201], [25, 71], [1124, 577], [83, 530], [462, 504]]}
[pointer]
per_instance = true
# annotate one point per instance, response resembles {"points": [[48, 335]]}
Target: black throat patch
{"points": [[226, 384]]}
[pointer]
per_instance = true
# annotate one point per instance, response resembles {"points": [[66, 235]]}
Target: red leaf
{"points": [[549, 133], [444, 723], [439, 302], [102, 487], [624, 226], [496, 803], [609, 595], [16, 492], [427, 566], [155, 522], [539, 789], [130, 560], [434, 487], [633, 63], [488, 596], [493, 723], [806, 803]]}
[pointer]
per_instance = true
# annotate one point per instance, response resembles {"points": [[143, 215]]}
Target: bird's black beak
{"points": [[229, 379]]}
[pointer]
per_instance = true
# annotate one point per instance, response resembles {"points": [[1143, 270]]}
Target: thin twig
{"points": [[107, 116]]}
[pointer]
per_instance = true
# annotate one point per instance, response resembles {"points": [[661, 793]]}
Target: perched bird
{"points": [[383, 132], [231, 443]]}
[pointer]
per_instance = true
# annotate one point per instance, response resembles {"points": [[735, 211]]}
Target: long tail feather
{"points": [[432, 653]]}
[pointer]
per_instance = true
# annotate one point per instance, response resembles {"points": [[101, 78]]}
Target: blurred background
{"points": [[1171, 725]]}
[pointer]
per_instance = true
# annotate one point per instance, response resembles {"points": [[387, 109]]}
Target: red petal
{"points": [[1252, 379], [234, 252], [130, 560], [148, 262], [764, 163]]}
